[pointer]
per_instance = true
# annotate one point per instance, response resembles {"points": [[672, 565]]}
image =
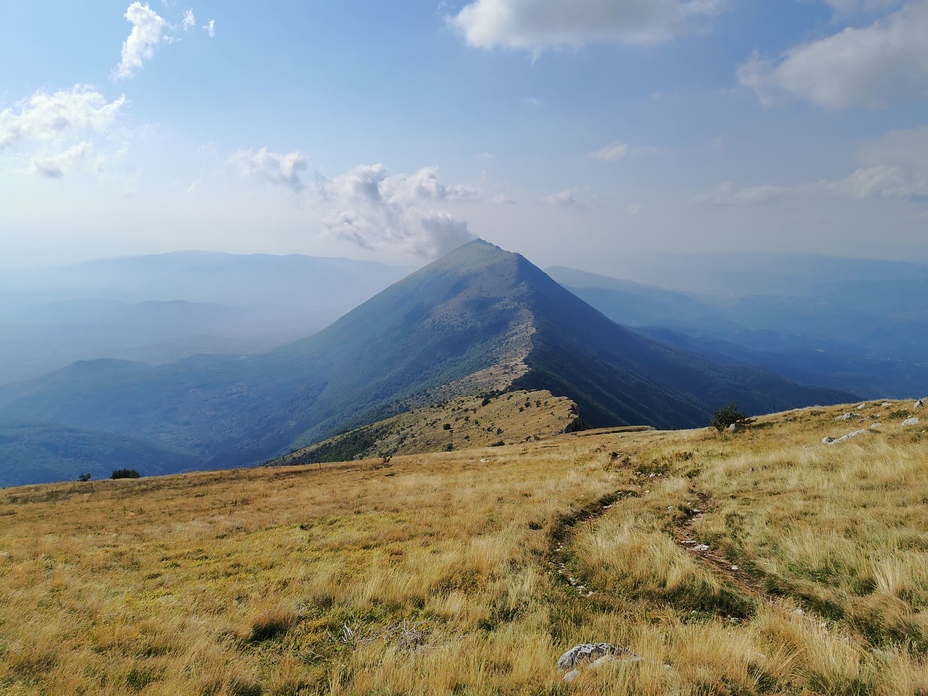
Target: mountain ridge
{"points": [[479, 319]]}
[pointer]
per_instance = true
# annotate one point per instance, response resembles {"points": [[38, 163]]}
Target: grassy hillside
{"points": [[463, 423], [470, 572]]}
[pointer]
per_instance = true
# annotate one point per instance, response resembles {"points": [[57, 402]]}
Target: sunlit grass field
{"points": [[470, 572]]}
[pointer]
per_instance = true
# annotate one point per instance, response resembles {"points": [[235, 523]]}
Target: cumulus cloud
{"points": [[210, 28], [874, 66], [613, 152], [278, 168], [538, 24], [57, 117], [147, 29], [375, 210], [189, 20], [55, 132]]}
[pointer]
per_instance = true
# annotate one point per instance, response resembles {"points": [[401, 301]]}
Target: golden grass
{"points": [[462, 423], [438, 574]]}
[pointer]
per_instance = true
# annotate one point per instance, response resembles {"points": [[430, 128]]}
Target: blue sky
{"points": [[573, 131]]}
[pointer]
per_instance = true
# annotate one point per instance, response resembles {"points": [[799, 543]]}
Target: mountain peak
{"points": [[480, 319]]}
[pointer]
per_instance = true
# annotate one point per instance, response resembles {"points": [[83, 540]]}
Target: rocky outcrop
{"points": [[846, 417], [593, 655], [844, 438]]}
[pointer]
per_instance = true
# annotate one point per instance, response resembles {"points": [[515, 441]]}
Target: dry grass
{"points": [[461, 423], [438, 574]]}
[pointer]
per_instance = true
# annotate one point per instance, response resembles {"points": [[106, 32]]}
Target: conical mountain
{"points": [[477, 319]]}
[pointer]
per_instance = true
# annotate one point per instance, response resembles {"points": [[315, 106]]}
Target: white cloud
{"points": [[895, 166], [147, 30], [727, 194], [538, 24], [613, 152], [375, 210], [883, 181], [57, 165], [189, 20], [563, 199], [58, 117], [54, 133], [485, 156], [283, 169], [850, 6], [532, 101], [635, 209], [873, 66], [210, 27]]}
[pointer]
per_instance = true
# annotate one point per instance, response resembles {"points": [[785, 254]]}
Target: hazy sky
{"points": [[569, 130]]}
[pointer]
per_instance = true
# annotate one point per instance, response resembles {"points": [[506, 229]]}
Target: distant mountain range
{"points": [[480, 319], [165, 307], [816, 325]]}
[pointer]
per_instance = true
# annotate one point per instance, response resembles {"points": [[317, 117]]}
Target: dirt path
{"points": [[562, 533], [723, 567]]}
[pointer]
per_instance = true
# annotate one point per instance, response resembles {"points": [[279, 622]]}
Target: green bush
{"points": [[729, 415], [125, 474]]}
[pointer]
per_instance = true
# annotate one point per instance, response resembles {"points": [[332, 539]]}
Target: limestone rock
{"points": [[845, 438], [910, 421], [593, 655], [594, 652], [846, 417]]}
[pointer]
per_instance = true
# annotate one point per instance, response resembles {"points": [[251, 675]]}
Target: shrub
{"points": [[728, 415], [84, 477], [125, 474]]}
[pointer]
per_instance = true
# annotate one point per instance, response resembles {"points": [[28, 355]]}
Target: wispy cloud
{"points": [[613, 152], [727, 194], [563, 199], [278, 168], [894, 166], [210, 28], [57, 165], [189, 20]]}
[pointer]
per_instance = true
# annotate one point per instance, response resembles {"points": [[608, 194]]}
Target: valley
{"points": [[478, 320]]}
